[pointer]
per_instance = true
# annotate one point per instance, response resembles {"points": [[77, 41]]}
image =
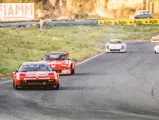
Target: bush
{"points": [[80, 15]]}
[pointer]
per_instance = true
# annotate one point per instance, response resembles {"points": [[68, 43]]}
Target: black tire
{"points": [[15, 86], [155, 52], [72, 72], [57, 87]]}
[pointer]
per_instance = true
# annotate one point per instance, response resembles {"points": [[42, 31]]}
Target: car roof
{"points": [[143, 10], [51, 53], [27, 63]]}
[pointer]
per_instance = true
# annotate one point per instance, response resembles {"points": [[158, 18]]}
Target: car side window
{"points": [[46, 57], [63, 57]]}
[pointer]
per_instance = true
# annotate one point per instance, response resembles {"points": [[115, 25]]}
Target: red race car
{"points": [[35, 74], [60, 62]]}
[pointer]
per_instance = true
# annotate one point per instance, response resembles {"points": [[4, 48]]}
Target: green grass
{"points": [[18, 45]]}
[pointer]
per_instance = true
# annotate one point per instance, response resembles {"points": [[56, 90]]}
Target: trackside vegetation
{"points": [[18, 45]]}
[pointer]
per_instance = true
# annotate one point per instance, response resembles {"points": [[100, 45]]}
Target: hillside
{"points": [[79, 9]]}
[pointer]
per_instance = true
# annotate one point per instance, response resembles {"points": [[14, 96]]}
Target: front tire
{"points": [[72, 71], [15, 86], [57, 87]]}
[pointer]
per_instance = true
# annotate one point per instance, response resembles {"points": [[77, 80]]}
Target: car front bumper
{"points": [[115, 50], [36, 83]]}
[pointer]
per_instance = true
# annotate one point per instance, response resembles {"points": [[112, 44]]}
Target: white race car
{"points": [[115, 45], [156, 49]]}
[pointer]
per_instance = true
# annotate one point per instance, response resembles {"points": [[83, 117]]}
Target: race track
{"points": [[112, 86]]}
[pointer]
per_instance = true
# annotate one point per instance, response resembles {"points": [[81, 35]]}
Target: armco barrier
{"points": [[18, 24], [77, 22], [52, 23], [128, 22], [85, 22]]}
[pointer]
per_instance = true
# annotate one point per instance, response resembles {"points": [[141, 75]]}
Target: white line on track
{"points": [[84, 61], [124, 113], [5, 82]]}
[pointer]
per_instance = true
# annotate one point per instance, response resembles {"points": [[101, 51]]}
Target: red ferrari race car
{"points": [[60, 62], [35, 74]]}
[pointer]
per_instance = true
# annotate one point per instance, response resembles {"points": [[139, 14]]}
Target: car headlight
{"points": [[53, 66], [18, 77]]}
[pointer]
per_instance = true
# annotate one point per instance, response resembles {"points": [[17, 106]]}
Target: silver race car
{"points": [[115, 45]]}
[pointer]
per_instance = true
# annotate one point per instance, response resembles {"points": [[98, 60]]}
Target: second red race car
{"points": [[60, 62], [35, 74]]}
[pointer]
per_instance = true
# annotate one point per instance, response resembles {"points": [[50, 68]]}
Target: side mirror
{"points": [[16, 71], [68, 54]]}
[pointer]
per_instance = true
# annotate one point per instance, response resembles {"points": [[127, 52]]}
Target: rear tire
{"points": [[155, 52]]}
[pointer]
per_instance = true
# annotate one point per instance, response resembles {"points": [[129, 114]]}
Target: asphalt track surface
{"points": [[112, 86]]}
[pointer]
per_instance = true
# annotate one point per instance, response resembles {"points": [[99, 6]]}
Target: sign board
{"points": [[16, 11]]}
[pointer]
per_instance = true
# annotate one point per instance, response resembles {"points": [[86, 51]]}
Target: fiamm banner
{"points": [[16, 11]]}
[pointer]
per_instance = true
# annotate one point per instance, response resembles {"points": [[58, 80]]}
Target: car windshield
{"points": [[34, 67], [115, 42], [141, 12], [55, 57]]}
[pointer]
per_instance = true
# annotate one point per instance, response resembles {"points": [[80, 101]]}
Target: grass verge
{"points": [[20, 45]]}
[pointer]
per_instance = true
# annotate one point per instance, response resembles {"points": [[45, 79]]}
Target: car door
{"points": [[142, 15]]}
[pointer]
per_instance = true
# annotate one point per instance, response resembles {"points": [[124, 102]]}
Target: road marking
{"points": [[5, 82], [124, 113], [84, 61]]}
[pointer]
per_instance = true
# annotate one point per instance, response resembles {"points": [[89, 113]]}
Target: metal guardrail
{"points": [[51, 24], [85, 22]]}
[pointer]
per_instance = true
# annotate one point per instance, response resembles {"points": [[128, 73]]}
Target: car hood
{"points": [[131, 16]]}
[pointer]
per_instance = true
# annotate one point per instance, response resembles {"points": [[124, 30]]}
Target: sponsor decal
{"points": [[128, 22]]}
